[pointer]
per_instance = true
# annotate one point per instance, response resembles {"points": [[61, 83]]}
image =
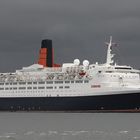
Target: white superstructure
{"points": [[72, 79]]}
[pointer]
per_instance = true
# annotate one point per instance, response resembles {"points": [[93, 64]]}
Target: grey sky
{"points": [[78, 29]]}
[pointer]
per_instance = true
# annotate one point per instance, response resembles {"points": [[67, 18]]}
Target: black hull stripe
{"points": [[105, 103]]}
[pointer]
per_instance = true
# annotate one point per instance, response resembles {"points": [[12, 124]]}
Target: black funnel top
{"points": [[46, 43]]}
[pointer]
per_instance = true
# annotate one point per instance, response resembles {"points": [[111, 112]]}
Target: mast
{"points": [[109, 58]]}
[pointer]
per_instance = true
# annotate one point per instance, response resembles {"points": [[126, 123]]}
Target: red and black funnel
{"points": [[46, 55]]}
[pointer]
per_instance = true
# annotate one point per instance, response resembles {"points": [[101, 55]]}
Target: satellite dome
{"points": [[85, 63], [76, 61]]}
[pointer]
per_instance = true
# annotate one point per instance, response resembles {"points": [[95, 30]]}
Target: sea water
{"points": [[69, 126]]}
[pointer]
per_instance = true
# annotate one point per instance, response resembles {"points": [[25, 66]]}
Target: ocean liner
{"points": [[46, 86]]}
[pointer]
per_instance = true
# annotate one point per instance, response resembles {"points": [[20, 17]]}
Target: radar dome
{"points": [[85, 63], [76, 61]]}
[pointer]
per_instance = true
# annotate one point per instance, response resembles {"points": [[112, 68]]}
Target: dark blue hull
{"points": [[120, 102]]}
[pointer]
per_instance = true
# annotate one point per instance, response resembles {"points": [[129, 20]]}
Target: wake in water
{"points": [[72, 135], [69, 126]]}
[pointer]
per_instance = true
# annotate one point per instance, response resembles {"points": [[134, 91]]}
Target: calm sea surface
{"points": [[69, 126]]}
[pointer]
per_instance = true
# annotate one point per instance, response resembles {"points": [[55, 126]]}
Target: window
{"points": [[72, 81], [67, 81], [6, 88], [1, 88], [41, 82], [34, 82], [127, 68], [29, 83], [14, 83], [58, 82], [61, 87], [29, 87], [34, 87], [41, 87], [67, 87], [86, 81], [108, 71], [22, 83], [6, 83], [14, 87], [79, 81], [49, 82], [1, 83], [22, 87], [49, 87]]}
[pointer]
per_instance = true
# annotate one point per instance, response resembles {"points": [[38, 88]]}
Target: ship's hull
{"points": [[118, 102]]}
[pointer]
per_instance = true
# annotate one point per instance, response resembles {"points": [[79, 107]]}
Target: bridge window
{"points": [[123, 68]]}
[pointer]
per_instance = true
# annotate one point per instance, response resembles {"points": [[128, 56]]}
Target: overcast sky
{"points": [[78, 29]]}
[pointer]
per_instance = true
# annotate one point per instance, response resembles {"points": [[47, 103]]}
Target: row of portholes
{"points": [[47, 82], [119, 76], [34, 88], [123, 76]]}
